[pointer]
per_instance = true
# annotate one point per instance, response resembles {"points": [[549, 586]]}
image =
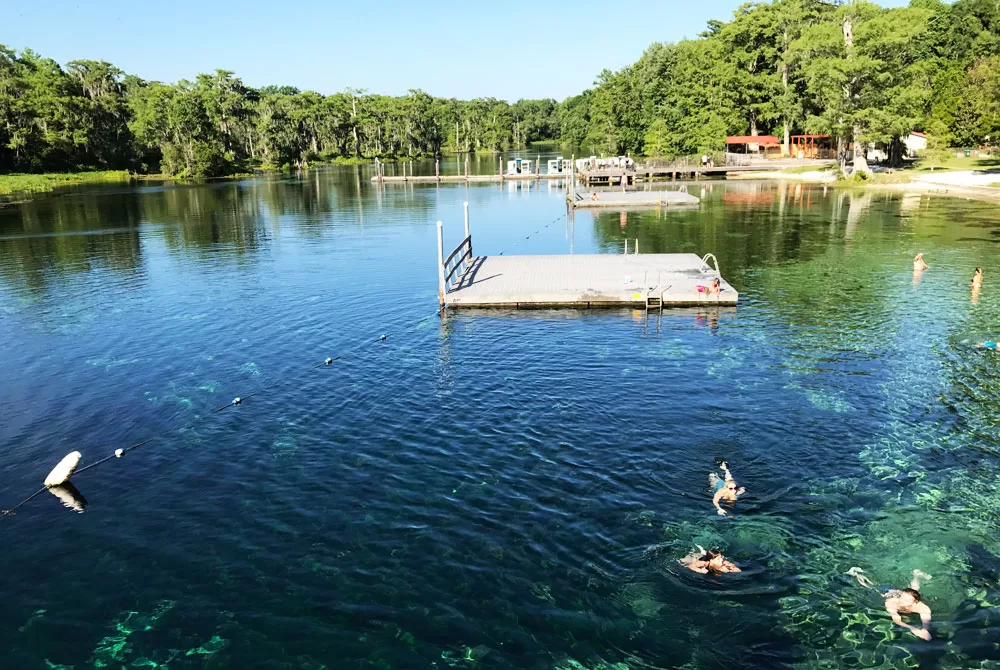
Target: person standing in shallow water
{"points": [[977, 279], [918, 263], [902, 601], [725, 488]]}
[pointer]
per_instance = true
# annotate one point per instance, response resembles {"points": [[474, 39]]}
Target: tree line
{"points": [[854, 70], [91, 115]]}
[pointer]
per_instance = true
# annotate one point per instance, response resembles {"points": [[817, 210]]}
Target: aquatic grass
{"points": [[42, 183]]}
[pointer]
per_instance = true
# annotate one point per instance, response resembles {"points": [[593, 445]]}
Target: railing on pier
{"points": [[457, 262]]}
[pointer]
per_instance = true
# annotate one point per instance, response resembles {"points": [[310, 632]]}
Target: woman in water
{"points": [[977, 279], [725, 489], [705, 562], [918, 263]]}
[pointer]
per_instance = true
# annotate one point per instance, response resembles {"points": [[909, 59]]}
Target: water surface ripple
{"points": [[491, 489]]}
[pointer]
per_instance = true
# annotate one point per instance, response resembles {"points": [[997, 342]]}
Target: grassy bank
{"points": [[41, 183]]}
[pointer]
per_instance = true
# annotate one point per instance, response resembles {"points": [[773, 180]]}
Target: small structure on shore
{"points": [[519, 166], [762, 145], [559, 165]]}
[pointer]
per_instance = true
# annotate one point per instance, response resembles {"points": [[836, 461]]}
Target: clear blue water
{"points": [[490, 489]]}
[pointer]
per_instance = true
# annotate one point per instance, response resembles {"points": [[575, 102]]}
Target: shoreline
{"points": [[919, 185]]}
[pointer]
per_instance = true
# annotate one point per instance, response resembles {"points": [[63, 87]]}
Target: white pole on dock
{"points": [[404, 170], [466, 218], [466, 167], [500, 165], [626, 246], [440, 264]]}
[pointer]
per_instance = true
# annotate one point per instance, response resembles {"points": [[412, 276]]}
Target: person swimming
{"points": [[977, 279], [918, 263], [902, 601], [705, 562], [988, 344], [725, 488]]}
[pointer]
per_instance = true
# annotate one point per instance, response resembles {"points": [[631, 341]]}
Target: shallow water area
{"points": [[493, 489]]}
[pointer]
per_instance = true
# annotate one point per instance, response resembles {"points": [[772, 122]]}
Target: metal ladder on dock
{"points": [[654, 295]]}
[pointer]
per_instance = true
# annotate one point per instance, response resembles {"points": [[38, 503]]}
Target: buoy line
{"points": [[536, 231], [58, 479]]}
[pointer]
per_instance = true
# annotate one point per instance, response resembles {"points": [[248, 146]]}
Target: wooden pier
{"points": [[645, 281]]}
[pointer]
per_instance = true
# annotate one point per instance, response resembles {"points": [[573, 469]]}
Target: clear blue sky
{"points": [[512, 49]]}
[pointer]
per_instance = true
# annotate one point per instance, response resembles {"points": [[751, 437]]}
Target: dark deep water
{"points": [[491, 489]]}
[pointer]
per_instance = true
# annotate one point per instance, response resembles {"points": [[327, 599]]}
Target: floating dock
{"points": [[632, 199], [458, 178], [646, 281]]}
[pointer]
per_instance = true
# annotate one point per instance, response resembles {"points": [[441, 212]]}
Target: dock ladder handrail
{"points": [[715, 261]]}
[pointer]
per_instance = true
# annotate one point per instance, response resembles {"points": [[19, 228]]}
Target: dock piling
{"points": [[441, 291], [466, 218], [437, 169]]}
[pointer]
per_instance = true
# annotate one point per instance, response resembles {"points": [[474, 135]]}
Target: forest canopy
{"points": [[854, 70]]}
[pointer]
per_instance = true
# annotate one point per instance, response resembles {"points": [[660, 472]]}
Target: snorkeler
{"points": [[725, 489], [902, 601], [711, 561], [977, 279], [918, 263]]}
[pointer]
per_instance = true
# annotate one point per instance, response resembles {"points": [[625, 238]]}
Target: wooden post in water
{"points": [[500, 163], [466, 168], [404, 170], [538, 166], [437, 169], [441, 290]]}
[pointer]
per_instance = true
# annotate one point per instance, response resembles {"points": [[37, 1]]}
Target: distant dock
{"points": [[621, 199], [475, 178], [645, 281]]}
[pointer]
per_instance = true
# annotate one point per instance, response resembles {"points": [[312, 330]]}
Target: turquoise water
{"points": [[491, 489]]}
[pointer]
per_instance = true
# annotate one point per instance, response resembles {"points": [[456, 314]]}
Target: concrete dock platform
{"points": [[475, 178], [583, 199], [589, 280]]}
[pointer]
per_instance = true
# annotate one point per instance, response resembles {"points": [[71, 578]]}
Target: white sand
{"points": [[960, 178]]}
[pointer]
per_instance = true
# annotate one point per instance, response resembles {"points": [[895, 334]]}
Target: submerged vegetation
{"points": [[854, 70], [40, 183]]}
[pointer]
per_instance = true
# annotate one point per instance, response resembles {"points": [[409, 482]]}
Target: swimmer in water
{"points": [[988, 344], [918, 263], [725, 489], [977, 279], [705, 562], [902, 601]]}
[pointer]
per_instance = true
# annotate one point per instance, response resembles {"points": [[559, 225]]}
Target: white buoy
{"points": [[64, 470]]}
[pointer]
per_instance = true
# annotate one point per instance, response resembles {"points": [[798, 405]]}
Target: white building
{"points": [[915, 143]]}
